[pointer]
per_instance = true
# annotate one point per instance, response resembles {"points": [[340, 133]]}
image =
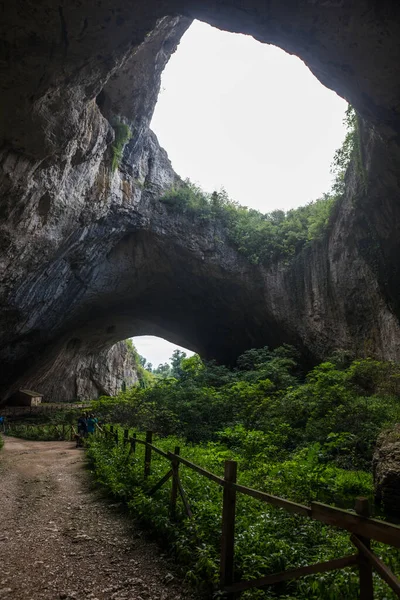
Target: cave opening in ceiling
{"points": [[248, 117]]}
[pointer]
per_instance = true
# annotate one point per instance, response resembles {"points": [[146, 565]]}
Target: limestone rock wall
{"points": [[61, 215], [86, 373]]}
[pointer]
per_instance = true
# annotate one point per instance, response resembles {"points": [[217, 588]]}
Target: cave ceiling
{"points": [[90, 254]]}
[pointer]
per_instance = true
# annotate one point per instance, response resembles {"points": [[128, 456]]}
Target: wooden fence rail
{"points": [[40, 409], [362, 527], [59, 432]]}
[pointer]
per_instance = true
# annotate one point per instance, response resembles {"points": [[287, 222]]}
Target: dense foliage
{"points": [[338, 408], [263, 238], [267, 238], [304, 437]]}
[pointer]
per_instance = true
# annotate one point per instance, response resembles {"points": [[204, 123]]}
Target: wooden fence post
{"points": [[133, 444], [228, 526], [174, 488], [147, 453], [126, 436], [111, 428], [365, 569]]}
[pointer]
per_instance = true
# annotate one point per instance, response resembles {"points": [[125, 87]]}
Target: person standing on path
{"points": [[82, 430], [91, 424]]}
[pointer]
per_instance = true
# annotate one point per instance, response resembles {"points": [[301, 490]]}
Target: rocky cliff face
{"points": [[86, 373], [386, 467], [89, 256]]}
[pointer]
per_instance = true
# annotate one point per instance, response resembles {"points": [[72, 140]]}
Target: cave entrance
{"points": [[156, 353], [247, 116]]}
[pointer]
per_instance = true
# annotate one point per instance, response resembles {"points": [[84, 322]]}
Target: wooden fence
{"points": [[360, 525], [41, 409], [47, 431]]}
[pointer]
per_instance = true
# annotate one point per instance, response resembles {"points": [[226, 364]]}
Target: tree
{"points": [[176, 360], [163, 370]]}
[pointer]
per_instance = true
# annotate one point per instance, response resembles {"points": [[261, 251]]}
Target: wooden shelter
{"points": [[26, 398]]}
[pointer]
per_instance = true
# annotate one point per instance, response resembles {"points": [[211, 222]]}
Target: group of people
{"points": [[86, 425]]}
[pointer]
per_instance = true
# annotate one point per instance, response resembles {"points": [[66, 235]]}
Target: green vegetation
{"points": [[123, 134], [350, 150], [263, 238], [276, 236], [347, 402], [345, 153], [44, 433], [302, 437], [43, 425]]}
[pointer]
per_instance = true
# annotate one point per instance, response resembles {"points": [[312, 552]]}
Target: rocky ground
{"points": [[59, 540]]}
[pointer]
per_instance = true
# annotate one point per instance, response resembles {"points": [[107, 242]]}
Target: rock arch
{"points": [[108, 261]]}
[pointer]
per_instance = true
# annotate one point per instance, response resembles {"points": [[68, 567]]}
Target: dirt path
{"points": [[58, 540]]}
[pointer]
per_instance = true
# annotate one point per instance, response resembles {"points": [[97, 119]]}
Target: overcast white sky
{"points": [[246, 116], [156, 350]]}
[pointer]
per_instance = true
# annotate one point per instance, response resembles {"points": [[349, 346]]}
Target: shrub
{"points": [[122, 134]]}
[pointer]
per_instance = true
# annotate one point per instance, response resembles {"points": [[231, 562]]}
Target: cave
{"points": [[88, 253]]}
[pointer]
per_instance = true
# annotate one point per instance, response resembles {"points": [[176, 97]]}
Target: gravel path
{"points": [[58, 540]]}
